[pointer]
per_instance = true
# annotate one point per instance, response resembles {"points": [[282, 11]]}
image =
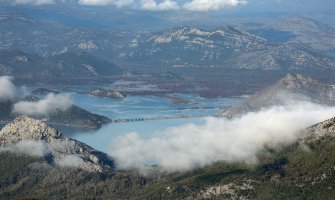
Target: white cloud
{"points": [[191, 146], [51, 103], [71, 161], [34, 2], [205, 5], [30, 148], [117, 3], [154, 5], [7, 88]]}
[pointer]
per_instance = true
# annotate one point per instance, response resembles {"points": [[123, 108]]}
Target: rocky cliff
{"points": [[26, 134], [291, 87]]}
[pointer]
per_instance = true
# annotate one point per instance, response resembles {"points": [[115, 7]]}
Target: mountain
{"points": [[65, 65], [292, 86], [77, 117], [57, 149], [288, 56], [73, 117], [302, 170], [310, 32], [180, 46], [227, 47], [184, 44], [45, 38]]}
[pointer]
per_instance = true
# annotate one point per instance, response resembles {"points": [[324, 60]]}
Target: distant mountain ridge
{"points": [[45, 38], [307, 31], [181, 46], [292, 86], [58, 66], [228, 47]]}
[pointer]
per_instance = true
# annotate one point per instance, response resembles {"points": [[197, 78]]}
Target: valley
{"points": [[167, 99]]}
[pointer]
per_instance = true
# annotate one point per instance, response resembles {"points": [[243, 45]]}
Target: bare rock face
{"points": [[59, 150], [320, 130], [291, 87], [107, 93]]}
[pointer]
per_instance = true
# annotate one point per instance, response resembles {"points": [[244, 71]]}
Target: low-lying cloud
{"points": [[45, 106], [40, 149], [71, 161], [7, 88], [50, 104], [30, 148], [242, 139]]}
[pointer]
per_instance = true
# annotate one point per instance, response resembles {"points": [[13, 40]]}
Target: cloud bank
{"points": [[205, 5], [50, 104], [154, 5], [7, 88], [31, 2], [192, 146]]}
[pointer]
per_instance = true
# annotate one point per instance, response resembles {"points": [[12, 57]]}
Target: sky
{"points": [[194, 5]]}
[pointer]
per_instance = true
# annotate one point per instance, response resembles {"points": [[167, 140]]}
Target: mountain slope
{"points": [[302, 170], [191, 45], [63, 65], [227, 47], [291, 87], [57, 148], [45, 38], [73, 117], [299, 171], [307, 31]]}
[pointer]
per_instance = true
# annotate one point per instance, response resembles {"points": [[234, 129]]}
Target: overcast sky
{"points": [[197, 5]]}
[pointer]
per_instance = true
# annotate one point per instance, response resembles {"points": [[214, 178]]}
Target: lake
{"points": [[179, 109], [145, 107]]}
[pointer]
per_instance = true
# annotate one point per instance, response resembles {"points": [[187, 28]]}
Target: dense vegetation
{"points": [[298, 172]]}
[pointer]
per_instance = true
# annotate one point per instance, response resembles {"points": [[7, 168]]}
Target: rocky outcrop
{"points": [[59, 150], [77, 117], [107, 93], [291, 87], [320, 130]]}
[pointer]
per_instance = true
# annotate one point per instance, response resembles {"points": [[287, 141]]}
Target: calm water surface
{"points": [[133, 107], [142, 107]]}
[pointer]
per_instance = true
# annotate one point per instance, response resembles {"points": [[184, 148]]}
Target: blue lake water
{"points": [[102, 139], [152, 106], [145, 107]]}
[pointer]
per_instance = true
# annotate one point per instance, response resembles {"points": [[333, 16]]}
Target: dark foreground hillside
{"points": [[305, 170]]}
